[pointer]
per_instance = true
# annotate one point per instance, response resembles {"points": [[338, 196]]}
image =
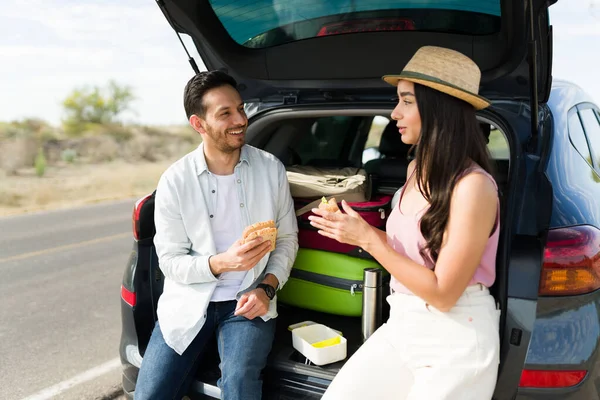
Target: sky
{"points": [[50, 47]]}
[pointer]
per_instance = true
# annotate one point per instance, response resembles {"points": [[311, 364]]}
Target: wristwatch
{"points": [[269, 290]]}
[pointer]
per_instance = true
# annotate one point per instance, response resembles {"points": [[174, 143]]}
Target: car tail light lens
{"points": [[128, 296], [135, 218], [551, 379], [367, 25], [571, 263]]}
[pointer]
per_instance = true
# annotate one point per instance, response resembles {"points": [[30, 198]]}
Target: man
{"points": [[214, 283]]}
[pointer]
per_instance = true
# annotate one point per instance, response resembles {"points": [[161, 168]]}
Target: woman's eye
{"points": [[406, 102]]}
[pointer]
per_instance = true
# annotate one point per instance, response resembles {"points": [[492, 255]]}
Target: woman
{"points": [[441, 340]]}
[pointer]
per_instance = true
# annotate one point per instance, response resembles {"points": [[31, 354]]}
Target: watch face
{"points": [[269, 290]]}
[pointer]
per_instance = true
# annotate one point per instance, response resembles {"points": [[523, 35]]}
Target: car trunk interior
{"points": [[361, 138]]}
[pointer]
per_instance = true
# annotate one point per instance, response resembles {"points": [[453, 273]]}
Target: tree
{"points": [[95, 105]]}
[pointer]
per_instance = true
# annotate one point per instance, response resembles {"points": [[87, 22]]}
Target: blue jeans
{"points": [[243, 349]]}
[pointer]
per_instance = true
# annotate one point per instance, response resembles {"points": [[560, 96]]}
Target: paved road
{"points": [[60, 275]]}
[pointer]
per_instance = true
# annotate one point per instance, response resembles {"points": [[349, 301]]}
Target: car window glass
{"points": [[266, 23], [325, 141], [371, 150], [577, 137], [592, 131], [498, 145]]}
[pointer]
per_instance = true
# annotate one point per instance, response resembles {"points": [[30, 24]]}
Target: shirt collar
{"points": [[200, 159]]}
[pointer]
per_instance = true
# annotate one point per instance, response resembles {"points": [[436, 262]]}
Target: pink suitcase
{"points": [[375, 212]]}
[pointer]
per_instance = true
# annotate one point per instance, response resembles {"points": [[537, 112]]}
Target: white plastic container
{"points": [[304, 337]]}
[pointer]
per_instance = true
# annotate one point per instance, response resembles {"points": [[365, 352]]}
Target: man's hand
{"points": [[253, 304], [240, 256]]}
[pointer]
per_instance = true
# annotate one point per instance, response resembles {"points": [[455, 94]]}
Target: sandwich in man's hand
{"points": [[266, 230], [330, 205]]}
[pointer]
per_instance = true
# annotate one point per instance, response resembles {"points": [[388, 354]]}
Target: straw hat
{"points": [[445, 70]]}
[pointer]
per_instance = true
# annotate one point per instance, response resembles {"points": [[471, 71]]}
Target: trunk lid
{"points": [[300, 51]]}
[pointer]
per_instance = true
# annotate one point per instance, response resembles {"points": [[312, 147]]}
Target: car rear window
{"points": [[327, 144], [265, 23]]}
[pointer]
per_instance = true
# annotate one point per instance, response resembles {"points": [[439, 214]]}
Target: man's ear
{"points": [[197, 123]]}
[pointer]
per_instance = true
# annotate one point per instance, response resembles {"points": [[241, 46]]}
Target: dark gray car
{"points": [[303, 64]]}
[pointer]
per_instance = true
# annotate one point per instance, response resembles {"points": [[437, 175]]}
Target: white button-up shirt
{"points": [[184, 240]]}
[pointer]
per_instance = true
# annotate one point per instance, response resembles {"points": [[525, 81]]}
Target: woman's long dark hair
{"points": [[451, 139]]}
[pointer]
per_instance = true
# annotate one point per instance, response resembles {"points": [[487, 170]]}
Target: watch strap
{"points": [[269, 290]]}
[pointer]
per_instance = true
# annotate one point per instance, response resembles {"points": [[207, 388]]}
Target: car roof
{"points": [[565, 94]]}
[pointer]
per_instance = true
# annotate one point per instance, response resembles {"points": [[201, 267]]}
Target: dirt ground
{"points": [[75, 185]]}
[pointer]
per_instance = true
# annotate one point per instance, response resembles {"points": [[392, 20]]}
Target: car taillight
{"points": [[551, 379], [135, 218], [128, 296], [571, 263], [367, 25]]}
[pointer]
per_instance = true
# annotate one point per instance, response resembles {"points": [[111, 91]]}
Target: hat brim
{"points": [[475, 100]]}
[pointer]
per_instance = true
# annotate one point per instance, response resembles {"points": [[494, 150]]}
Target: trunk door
{"points": [[339, 49]]}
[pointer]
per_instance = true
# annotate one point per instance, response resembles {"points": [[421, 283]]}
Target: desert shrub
{"points": [[40, 163], [68, 155], [17, 153], [95, 105], [95, 149], [142, 148]]}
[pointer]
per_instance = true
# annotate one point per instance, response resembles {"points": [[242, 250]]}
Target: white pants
{"points": [[425, 354]]}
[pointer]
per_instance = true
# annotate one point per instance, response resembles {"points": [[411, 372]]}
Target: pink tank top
{"points": [[404, 235]]}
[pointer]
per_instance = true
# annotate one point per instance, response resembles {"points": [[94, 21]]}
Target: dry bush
{"points": [[172, 142], [90, 149], [17, 153], [70, 187], [54, 148], [150, 131], [9, 198], [120, 133], [183, 131], [178, 148], [117, 131], [95, 149], [45, 194], [143, 148]]}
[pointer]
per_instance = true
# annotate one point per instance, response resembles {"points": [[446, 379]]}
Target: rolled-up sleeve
{"points": [[172, 242], [282, 259]]}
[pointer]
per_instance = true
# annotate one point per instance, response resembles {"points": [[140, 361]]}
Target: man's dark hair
{"points": [[196, 88]]}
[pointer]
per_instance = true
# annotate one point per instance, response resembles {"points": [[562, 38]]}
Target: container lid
{"points": [[373, 277]]}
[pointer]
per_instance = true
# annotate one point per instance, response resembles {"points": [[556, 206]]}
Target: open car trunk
{"points": [[314, 69], [327, 137], [342, 48]]}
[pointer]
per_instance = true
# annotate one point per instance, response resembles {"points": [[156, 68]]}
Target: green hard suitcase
{"points": [[327, 282]]}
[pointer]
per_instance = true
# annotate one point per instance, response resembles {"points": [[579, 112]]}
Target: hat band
{"points": [[425, 77]]}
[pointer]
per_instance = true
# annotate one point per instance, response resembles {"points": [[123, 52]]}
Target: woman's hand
{"points": [[349, 228]]}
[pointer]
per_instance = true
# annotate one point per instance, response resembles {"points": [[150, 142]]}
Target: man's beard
{"points": [[221, 142]]}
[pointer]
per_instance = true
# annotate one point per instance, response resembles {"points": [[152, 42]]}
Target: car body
{"points": [[548, 171]]}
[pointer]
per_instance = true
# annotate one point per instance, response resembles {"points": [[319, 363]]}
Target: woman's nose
{"points": [[396, 114]]}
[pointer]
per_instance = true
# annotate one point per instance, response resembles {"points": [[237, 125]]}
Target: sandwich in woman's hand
{"points": [[330, 205], [266, 230]]}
